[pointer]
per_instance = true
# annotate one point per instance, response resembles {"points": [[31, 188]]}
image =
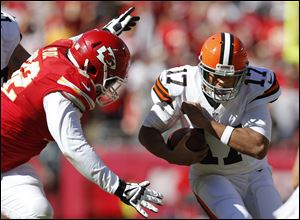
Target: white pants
{"points": [[290, 209], [241, 196], [22, 194]]}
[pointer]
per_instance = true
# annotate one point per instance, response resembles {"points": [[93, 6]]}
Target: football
{"points": [[196, 141]]}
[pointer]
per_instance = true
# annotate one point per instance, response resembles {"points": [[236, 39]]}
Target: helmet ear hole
{"points": [[91, 70], [101, 55]]}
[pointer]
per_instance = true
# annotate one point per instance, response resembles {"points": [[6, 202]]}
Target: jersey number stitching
{"points": [[21, 79], [259, 82], [181, 83]]}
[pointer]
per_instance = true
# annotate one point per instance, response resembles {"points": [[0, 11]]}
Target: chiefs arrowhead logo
{"points": [[107, 57]]}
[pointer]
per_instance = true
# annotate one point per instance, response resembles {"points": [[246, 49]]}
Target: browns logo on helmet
{"points": [[223, 66]]}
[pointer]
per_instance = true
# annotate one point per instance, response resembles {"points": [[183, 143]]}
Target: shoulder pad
{"points": [[76, 101], [169, 84], [263, 85], [81, 88], [67, 43]]}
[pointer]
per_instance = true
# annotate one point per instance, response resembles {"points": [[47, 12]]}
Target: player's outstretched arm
{"points": [[138, 196], [124, 22], [63, 120]]}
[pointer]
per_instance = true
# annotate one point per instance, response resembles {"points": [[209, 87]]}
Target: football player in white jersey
{"points": [[13, 53], [229, 99]]}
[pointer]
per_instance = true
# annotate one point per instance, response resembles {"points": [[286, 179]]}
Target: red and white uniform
{"points": [[249, 109], [42, 102]]}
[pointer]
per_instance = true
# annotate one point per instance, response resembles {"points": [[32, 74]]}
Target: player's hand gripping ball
{"points": [[196, 141]]}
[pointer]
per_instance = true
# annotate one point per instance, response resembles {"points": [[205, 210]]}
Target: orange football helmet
{"points": [[222, 58]]}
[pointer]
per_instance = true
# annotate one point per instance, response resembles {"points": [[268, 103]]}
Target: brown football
{"points": [[195, 143]]}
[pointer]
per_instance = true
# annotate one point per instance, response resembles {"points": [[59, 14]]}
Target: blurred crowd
{"points": [[169, 34]]}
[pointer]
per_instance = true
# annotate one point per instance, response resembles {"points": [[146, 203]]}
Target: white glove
{"points": [[138, 196], [122, 23]]}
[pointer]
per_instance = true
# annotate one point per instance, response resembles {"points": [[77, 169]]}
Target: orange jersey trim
{"points": [[162, 92], [272, 90]]}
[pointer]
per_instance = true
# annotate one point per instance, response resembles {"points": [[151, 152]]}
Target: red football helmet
{"points": [[105, 58], [222, 58]]}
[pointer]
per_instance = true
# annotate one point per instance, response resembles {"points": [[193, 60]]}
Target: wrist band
{"points": [[226, 134], [121, 188]]}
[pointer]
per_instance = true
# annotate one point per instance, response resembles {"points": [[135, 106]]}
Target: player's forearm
{"points": [[244, 140], [154, 142], [63, 120], [87, 162]]}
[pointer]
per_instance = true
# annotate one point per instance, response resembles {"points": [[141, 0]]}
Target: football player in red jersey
{"points": [[44, 101], [229, 99]]}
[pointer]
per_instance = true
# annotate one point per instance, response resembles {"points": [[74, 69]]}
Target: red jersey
{"points": [[24, 131]]}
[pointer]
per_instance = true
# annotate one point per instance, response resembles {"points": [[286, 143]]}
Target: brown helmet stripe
{"points": [[226, 55], [222, 47], [231, 50]]}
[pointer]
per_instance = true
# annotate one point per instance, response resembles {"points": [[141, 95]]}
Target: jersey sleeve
{"points": [[160, 92], [165, 94], [169, 86], [264, 87], [63, 121], [258, 119], [80, 91]]}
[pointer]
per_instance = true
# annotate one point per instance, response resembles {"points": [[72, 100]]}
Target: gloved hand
{"points": [[122, 23], [138, 196]]}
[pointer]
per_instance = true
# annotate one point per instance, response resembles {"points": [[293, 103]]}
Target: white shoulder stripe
{"points": [[65, 82], [76, 101]]}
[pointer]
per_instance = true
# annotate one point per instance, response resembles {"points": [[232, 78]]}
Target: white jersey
{"points": [[248, 109], [10, 37]]}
